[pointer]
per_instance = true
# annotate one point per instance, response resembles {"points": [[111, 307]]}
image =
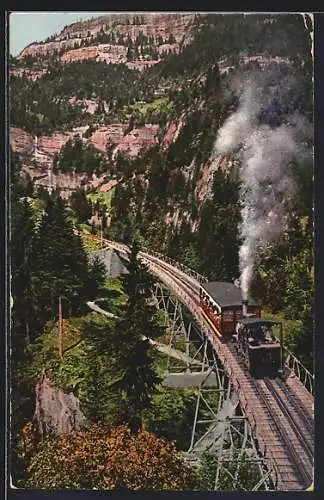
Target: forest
{"points": [[108, 363]]}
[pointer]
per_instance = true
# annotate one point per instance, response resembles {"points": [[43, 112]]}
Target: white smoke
{"points": [[266, 183]]}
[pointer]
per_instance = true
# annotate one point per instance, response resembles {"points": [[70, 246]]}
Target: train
{"points": [[258, 341]]}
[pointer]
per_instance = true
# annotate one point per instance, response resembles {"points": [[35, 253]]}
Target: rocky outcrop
{"points": [[142, 64], [222, 163], [115, 54], [21, 141], [156, 25], [89, 105], [137, 139], [55, 410], [172, 131], [113, 133], [151, 24], [47, 49], [37, 154], [31, 74], [108, 186]]}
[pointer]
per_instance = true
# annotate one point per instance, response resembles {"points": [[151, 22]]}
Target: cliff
{"points": [[78, 41], [37, 154], [176, 103]]}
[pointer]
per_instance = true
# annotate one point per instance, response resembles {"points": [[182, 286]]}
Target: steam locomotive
{"points": [[231, 318]]}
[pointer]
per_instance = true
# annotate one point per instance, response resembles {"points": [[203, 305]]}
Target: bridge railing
{"points": [[301, 372], [182, 267], [291, 361], [187, 270]]}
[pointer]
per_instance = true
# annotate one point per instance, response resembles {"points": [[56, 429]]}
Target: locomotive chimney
{"points": [[245, 307]]}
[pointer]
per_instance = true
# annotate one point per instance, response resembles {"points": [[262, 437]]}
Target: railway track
{"points": [[295, 438], [287, 417], [278, 411]]}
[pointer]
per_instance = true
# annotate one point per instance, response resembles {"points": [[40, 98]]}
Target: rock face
{"points": [[172, 131], [113, 133], [108, 186], [103, 52], [68, 41], [31, 74], [56, 411], [21, 142], [137, 139], [37, 154]]}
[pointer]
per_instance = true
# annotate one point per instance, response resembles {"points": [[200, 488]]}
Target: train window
{"points": [[228, 316], [271, 332]]}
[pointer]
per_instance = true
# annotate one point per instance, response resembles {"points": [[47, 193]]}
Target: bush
{"points": [[102, 459]]}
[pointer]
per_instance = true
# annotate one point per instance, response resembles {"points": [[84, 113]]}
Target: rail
{"points": [[301, 372], [191, 272], [290, 361], [303, 472], [177, 282]]}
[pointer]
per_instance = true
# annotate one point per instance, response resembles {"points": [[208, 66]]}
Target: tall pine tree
{"points": [[139, 379], [59, 267]]}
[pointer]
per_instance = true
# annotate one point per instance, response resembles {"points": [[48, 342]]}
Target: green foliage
{"points": [[171, 416], [96, 277], [191, 258], [139, 323], [76, 156], [217, 238], [99, 458], [158, 111], [111, 368], [21, 184], [59, 266], [47, 261], [80, 206], [22, 232], [247, 477], [43, 106], [284, 279], [102, 400], [299, 286], [218, 35], [103, 198]]}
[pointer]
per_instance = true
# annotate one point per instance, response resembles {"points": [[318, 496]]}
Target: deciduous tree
{"points": [[109, 459]]}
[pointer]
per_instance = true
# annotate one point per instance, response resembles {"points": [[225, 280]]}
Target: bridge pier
{"points": [[284, 445], [113, 263], [219, 427]]}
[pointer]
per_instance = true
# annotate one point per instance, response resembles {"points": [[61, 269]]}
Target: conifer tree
{"points": [[139, 380], [81, 206], [59, 266]]}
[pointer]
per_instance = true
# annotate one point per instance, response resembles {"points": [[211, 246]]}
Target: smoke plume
{"points": [[265, 152]]}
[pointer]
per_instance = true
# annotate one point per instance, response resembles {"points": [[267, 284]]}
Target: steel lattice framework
{"points": [[280, 412], [219, 426]]}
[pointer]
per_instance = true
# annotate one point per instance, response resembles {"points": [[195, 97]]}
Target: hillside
{"points": [[136, 40], [189, 134], [139, 100]]}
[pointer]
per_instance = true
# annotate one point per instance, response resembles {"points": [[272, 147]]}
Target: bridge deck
{"points": [[286, 447]]}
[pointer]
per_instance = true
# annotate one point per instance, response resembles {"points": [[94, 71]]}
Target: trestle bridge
{"points": [[269, 421]]}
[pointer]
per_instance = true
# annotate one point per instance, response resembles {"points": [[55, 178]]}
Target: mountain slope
{"points": [[152, 130]]}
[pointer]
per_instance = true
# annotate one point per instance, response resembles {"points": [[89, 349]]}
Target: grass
{"points": [[113, 298], [156, 106], [90, 242], [103, 198], [71, 371], [71, 331]]}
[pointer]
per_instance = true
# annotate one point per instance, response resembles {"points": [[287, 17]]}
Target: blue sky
{"points": [[27, 27]]}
